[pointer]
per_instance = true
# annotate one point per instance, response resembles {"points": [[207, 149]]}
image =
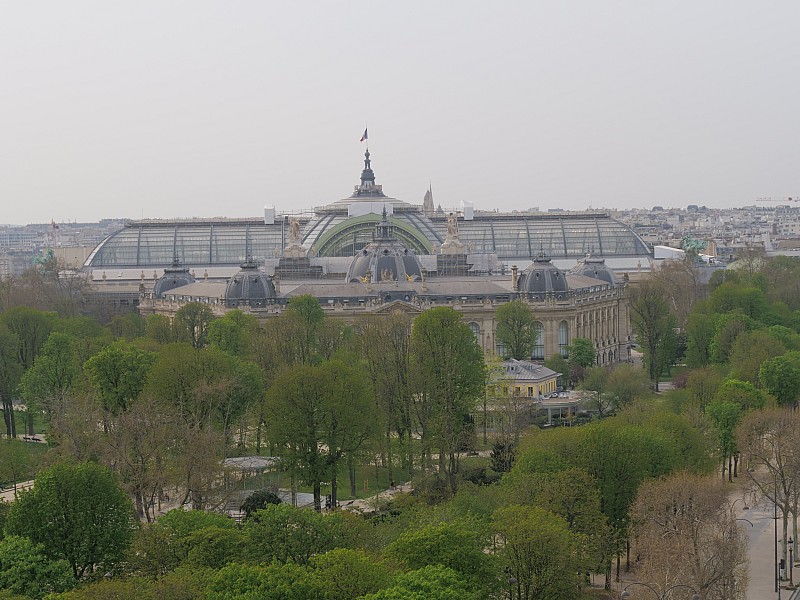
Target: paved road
{"points": [[762, 555]]}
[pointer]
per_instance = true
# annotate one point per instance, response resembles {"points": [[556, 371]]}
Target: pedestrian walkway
{"points": [[761, 585]]}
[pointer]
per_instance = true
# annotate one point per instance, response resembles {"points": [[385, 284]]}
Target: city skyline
{"points": [[205, 109]]}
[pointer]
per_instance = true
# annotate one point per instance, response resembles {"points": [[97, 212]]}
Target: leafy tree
{"points": [[26, 570], [10, 373], [750, 350], [582, 353], [384, 346], [434, 582], [207, 386], [625, 384], [319, 415], [457, 545], [258, 500], [78, 513], [725, 416], [620, 456], [233, 333], [747, 300], [449, 375], [654, 326], [15, 462], [282, 533], [192, 321], [729, 328], [703, 385], [32, 328], [128, 326], [516, 329], [159, 329], [214, 547], [52, 375], [118, 374], [559, 364], [271, 582], [542, 554], [185, 522], [160, 547], [350, 574], [700, 330], [595, 382], [780, 376]]}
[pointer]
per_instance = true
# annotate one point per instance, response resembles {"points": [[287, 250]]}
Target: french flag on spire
{"points": [[365, 136]]}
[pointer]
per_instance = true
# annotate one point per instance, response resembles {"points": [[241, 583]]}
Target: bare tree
{"points": [[686, 533], [768, 441]]}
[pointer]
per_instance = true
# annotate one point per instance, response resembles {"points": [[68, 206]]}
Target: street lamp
{"points": [[791, 562], [512, 581], [626, 594]]}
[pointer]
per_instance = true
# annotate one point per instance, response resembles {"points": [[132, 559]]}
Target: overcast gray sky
{"points": [[199, 108]]}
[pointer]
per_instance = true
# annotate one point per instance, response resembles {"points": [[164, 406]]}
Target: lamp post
{"points": [[661, 596], [511, 583], [791, 562]]}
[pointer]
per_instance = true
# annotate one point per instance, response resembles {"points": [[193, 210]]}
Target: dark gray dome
{"points": [[249, 287], [173, 277], [543, 278], [385, 259], [591, 266]]}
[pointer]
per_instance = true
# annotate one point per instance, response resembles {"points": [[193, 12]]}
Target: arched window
{"points": [[476, 330], [563, 339], [538, 347]]}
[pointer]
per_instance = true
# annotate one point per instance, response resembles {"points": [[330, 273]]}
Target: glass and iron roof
{"points": [[345, 227]]}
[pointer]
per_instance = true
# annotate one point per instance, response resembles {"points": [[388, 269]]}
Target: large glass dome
{"points": [[345, 227]]}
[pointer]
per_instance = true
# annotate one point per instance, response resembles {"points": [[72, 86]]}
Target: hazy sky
{"points": [[198, 108]]}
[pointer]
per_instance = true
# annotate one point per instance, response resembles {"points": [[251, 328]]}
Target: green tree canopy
{"points": [[118, 374], [456, 545], [26, 570], [316, 416], [78, 513], [191, 323], [543, 555], [282, 533], [582, 353], [434, 582], [449, 377], [780, 376], [516, 329], [654, 326]]}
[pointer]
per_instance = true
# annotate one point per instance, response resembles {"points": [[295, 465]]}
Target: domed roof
{"points": [[542, 278], [249, 287], [174, 276], [385, 259], [591, 266]]}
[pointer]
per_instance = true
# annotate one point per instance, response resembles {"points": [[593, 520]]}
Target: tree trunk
{"points": [[7, 418], [317, 497], [29, 418], [730, 468], [334, 468], [139, 504], [351, 469], [736, 464], [627, 554]]}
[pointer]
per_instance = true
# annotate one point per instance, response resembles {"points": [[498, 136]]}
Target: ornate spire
{"points": [[384, 230], [368, 186], [367, 175]]}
